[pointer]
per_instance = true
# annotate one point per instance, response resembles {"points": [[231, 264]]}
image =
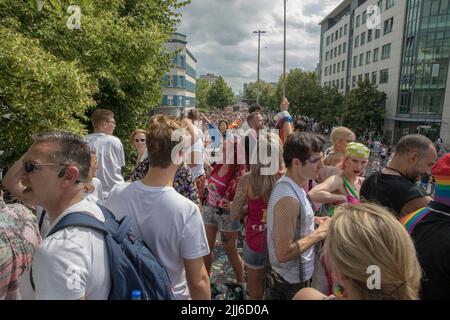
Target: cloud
{"points": [[220, 35]]}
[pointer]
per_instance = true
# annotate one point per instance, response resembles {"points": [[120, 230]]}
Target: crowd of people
{"points": [[314, 219]]}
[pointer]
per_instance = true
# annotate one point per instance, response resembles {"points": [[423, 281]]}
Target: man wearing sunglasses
{"points": [[54, 171], [109, 150], [290, 218]]}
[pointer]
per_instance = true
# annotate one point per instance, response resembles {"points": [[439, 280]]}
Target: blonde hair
{"points": [[159, 139], [135, 132], [340, 133], [262, 185], [364, 235]]}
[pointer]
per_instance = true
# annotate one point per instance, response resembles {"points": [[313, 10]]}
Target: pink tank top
{"points": [[255, 228], [217, 187]]}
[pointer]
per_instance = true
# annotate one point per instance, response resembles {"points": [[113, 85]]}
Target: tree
{"points": [[201, 94], [303, 92], [331, 106], [266, 93], [115, 60], [364, 107], [220, 94]]}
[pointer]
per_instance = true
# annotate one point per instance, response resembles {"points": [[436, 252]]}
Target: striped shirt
{"points": [[291, 270]]}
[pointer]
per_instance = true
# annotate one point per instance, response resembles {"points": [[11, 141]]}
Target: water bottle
{"points": [[136, 295]]}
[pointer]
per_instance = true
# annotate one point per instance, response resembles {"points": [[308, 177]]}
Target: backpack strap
{"points": [[41, 219], [85, 219], [412, 219]]}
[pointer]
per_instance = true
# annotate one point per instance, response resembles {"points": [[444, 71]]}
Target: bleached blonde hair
{"points": [[366, 235]]}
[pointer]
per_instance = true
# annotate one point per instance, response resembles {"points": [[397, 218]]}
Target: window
{"points": [[170, 100], [375, 54], [358, 21], [361, 59], [364, 17], [377, 33], [360, 78], [386, 52], [170, 81], [326, 71], [340, 32], [342, 84], [335, 52], [363, 38], [384, 76], [339, 49], [355, 61], [366, 76], [326, 56], [334, 68], [374, 77], [336, 34], [356, 41], [389, 3], [339, 67], [369, 35], [332, 37], [380, 5], [344, 47], [331, 54], [343, 65], [328, 40], [388, 25], [345, 29], [367, 57], [353, 81]]}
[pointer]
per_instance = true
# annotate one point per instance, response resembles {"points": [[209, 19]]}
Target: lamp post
{"points": [[259, 46]]}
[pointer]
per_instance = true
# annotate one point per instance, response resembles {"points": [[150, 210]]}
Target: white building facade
{"points": [[403, 48]]}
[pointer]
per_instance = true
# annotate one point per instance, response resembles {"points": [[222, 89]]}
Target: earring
{"points": [[338, 290]]}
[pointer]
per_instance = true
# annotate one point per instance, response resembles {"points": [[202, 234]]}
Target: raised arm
{"points": [[326, 191]]}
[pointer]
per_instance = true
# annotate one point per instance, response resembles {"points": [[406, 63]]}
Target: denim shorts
{"points": [[221, 219], [253, 259]]}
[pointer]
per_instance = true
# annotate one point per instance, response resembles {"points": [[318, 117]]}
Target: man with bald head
{"points": [[394, 187]]}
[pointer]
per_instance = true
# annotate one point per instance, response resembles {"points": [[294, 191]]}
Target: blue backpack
{"points": [[132, 264]]}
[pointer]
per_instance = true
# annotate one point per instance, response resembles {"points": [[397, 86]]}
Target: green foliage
{"points": [[201, 94], [38, 92], [220, 94], [266, 94], [331, 106], [364, 106], [115, 61], [303, 91]]}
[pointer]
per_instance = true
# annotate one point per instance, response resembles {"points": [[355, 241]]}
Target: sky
{"points": [[220, 36]]}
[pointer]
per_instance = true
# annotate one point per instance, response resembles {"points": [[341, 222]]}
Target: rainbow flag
{"points": [[412, 219]]}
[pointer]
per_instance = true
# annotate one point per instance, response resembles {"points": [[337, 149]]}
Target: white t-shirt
{"points": [[290, 270], [170, 224], [97, 195], [70, 264], [110, 158]]}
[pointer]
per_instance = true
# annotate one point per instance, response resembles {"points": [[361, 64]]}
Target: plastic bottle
{"points": [[136, 295]]}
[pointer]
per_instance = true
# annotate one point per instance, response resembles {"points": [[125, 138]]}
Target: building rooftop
{"points": [[344, 4]]}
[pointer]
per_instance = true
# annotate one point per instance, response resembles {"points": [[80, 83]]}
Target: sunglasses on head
{"points": [[139, 140]]}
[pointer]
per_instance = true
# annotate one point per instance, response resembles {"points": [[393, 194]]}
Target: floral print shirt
{"points": [[19, 238]]}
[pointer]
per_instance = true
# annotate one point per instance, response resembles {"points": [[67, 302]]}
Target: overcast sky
{"points": [[219, 35]]}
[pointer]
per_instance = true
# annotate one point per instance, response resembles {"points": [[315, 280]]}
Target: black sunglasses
{"points": [[30, 166], [139, 140]]}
